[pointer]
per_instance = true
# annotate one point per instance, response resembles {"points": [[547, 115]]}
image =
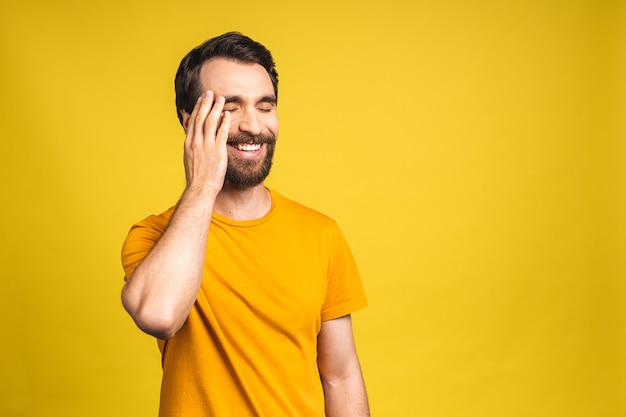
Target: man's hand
{"points": [[205, 145]]}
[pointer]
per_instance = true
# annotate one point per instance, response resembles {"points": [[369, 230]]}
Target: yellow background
{"points": [[472, 151]]}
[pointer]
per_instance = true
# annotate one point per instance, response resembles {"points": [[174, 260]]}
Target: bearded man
{"points": [[248, 293]]}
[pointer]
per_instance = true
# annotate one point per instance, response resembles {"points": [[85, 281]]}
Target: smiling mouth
{"points": [[247, 147]]}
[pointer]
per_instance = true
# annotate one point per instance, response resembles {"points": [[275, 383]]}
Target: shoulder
{"points": [[294, 208], [154, 224], [141, 238], [304, 218]]}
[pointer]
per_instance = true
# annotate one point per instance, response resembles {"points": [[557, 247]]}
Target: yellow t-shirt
{"points": [[249, 345]]}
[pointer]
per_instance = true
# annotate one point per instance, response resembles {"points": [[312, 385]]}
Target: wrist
{"points": [[202, 198]]}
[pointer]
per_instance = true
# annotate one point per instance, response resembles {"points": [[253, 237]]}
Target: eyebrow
{"points": [[239, 100]]}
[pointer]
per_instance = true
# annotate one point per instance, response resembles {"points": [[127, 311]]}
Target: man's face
{"points": [[251, 101]]}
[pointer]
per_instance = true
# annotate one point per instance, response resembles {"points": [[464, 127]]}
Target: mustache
{"points": [[253, 139]]}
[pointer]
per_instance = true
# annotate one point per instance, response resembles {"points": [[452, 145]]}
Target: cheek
{"points": [[234, 124], [272, 125], [234, 121]]}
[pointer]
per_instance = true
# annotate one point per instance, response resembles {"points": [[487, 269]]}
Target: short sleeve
{"points": [[345, 293], [141, 239]]}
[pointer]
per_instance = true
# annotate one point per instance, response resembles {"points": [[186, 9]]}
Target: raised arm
{"points": [[340, 370], [161, 291]]}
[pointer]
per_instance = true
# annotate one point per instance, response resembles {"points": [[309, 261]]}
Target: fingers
{"points": [[212, 121], [206, 116], [204, 107], [192, 118], [205, 155], [222, 132]]}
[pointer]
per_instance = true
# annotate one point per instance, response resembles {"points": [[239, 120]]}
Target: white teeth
{"points": [[248, 146]]}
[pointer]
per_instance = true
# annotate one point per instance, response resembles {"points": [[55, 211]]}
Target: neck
{"points": [[243, 204]]}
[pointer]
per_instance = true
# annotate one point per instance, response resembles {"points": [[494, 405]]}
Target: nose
{"points": [[249, 122]]}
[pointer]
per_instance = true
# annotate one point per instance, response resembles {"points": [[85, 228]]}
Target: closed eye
{"points": [[267, 104]]}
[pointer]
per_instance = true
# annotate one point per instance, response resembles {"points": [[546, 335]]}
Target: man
{"points": [[248, 293]]}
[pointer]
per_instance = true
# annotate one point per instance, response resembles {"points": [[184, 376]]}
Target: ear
{"points": [[185, 119]]}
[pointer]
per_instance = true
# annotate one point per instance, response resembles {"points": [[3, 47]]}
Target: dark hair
{"points": [[231, 45]]}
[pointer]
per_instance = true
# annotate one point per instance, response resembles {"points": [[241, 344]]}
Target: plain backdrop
{"points": [[473, 153]]}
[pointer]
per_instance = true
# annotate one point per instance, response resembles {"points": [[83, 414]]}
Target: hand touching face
{"points": [[205, 144]]}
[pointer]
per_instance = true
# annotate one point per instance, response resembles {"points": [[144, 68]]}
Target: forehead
{"points": [[227, 77]]}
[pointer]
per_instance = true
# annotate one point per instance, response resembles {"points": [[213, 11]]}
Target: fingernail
{"points": [[220, 99]]}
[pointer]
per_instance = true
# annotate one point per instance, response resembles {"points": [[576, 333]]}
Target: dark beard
{"points": [[246, 173]]}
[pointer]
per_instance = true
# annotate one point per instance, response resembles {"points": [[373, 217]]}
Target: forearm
{"points": [[346, 397], [161, 291]]}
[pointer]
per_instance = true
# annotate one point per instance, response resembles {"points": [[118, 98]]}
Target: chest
{"points": [[273, 279]]}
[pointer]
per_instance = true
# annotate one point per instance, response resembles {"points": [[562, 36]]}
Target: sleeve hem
{"points": [[343, 310]]}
